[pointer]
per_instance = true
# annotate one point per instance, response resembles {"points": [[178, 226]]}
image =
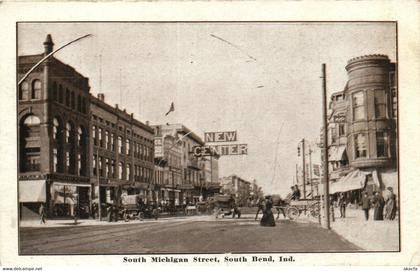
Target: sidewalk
{"points": [[370, 235]]}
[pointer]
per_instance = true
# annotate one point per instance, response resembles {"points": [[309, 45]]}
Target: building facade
{"points": [[53, 132], [369, 132], [122, 154], [238, 187]]}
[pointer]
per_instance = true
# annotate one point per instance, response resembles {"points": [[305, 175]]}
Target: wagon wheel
{"points": [[293, 213], [314, 211]]}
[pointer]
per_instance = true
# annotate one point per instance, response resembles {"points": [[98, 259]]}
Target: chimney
{"points": [[116, 106], [101, 97], [48, 45], [147, 122]]}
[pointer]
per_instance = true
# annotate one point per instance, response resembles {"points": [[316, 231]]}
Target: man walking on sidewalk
{"points": [[41, 212], [366, 204], [342, 205]]}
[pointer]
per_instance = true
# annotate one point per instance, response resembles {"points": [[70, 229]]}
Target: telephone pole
{"points": [[303, 168], [325, 149]]}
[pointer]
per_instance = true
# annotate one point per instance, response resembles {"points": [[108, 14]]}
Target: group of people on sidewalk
{"points": [[380, 204], [383, 207]]}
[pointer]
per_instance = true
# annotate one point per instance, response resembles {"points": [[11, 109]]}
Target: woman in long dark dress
{"points": [[379, 204], [268, 218]]}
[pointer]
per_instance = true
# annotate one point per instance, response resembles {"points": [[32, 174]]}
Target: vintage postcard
{"points": [[210, 142]]}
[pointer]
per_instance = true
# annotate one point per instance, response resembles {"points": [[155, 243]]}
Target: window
{"points": [[380, 104], [358, 106], [112, 168], [127, 146], [101, 169], [127, 177], [79, 165], [100, 137], [36, 89], [94, 135], [360, 144], [55, 160], [56, 127], [24, 91], [68, 132], [120, 170], [107, 168], [341, 131], [382, 144], [120, 145], [79, 136], [106, 139], [94, 166], [67, 97], [112, 142], [67, 159]]}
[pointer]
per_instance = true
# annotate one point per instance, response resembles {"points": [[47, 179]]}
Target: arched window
{"points": [[60, 94], [67, 97], [36, 89], [94, 135], [30, 144], [55, 92], [72, 100], [120, 145], [24, 91]]}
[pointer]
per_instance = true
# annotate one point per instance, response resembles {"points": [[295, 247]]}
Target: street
{"points": [[196, 234]]}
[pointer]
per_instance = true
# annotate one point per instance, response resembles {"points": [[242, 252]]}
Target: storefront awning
{"points": [[352, 181], [32, 191], [336, 153]]}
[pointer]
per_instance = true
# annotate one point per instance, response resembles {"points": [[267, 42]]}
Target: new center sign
{"points": [[211, 149]]}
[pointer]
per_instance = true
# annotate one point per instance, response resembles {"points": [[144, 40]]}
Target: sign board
{"points": [[158, 147], [229, 149], [213, 137]]}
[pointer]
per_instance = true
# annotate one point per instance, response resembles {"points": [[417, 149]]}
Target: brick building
{"points": [[122, 153], [53, 132], [240, 188]]}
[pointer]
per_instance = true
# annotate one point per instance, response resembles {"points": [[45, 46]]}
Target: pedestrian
{"points": [[378, 203], [41, 212], [366, 204], [342, 205], [297, 192], [390, 205], [268, 218]]}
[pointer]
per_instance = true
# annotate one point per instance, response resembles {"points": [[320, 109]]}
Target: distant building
{"points": [[192, 185], [240, 188]]}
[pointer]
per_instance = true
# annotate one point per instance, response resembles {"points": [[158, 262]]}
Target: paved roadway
{"points": [[199, 234]]}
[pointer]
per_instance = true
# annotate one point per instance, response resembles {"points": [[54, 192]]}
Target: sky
{"points": [[260, 79]]}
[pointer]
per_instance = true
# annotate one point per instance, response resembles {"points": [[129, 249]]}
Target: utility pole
{"points": [[303, 168], [99, 185], [325, 149], [310, 172]]}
